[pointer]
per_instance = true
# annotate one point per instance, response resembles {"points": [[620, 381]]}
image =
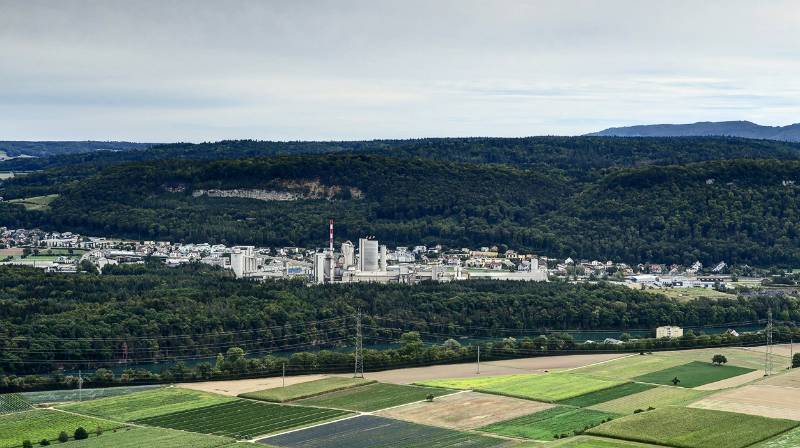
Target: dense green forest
{"points": [[49, 321], [577, 155], [742, 210]]}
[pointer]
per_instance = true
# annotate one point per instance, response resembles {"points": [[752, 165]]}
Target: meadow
{"points": [[657, 397], [604, 395], [130, 437], [306, 389], [694, 428], [790, 439], [39, 424], [550, 387], [373, 397], [36, 202], [550, 424], [140, 405], [243, 418], [693, 374], [596, 442]]}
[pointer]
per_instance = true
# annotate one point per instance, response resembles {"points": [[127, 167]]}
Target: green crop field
{"points": [[305, 390], [693, 374], [373, 397], [789, 439], [547, 387], [39, 424], [631, 367], [139, 405], [597, 442], [55, 396], [550, 423], [243, 418], [130, 437], [657, 397], [13, 403], [694, 428], [603, 395]]}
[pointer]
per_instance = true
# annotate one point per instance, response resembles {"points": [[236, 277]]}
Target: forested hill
{"points": [[30, 149], [739, 211], [745, 129], [577, 155]]}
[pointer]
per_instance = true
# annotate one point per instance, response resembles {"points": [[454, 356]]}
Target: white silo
{"points": [[349, 254], [382, 259]]}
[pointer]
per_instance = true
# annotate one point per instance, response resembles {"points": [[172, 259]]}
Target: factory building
{"points": [[243, 261], [368, 255]]}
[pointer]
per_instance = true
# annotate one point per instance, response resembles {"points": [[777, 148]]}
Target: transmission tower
{"points": [[359, 353], [768, 348]]}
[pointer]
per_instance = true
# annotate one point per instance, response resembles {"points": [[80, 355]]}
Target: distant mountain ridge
{"points": [[744, 129]]}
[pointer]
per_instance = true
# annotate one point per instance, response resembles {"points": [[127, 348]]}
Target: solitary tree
{"points": [[81, 433], [796, 360], [676, 381], [719, 359], [63, 436]]}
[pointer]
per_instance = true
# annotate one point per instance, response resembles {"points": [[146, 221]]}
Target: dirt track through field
{"points": [[466, 410], [763, 400], [413, 374]]}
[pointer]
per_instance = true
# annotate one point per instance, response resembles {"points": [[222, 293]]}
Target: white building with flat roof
{"points": [[669, 331]]}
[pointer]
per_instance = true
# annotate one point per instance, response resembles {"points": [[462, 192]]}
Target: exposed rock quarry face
{"points": [[293, 190]]}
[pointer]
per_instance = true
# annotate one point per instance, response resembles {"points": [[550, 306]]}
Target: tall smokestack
{"points": [[330, 225]]}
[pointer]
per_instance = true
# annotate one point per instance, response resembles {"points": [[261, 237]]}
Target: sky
{"points": [[164, 71]]}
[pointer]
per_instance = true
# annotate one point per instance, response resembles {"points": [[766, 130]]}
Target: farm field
{"points": [[658, 397], [549, 424], [756, 399], [545, 387], [13, 403], [788, 379], [693, 374], [41, 424], [306, 389], [36, 202], [597, 442], [693, 428], [687, 294], [790, 439], [466, 410], [130, 437], [55, 396], [140, 405], [369, 431], [243, 419], [373, 397], [631, 367], [604, 395]]}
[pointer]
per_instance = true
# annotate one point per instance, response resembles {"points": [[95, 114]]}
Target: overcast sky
{"points": [[197, 70]]}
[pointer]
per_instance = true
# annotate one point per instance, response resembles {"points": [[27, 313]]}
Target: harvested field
{"points": [[633, 366], [140, 405], [369, 431], [306, 389], [756, 399], [466, 410], [41, 424], [733, 382], [787, 379], [130, 437], [373, 397], [549, 387], [55, 396], [693, 428], [658, 397], [505, 367], [243, 419], [693, 374], [601, 396], [550, 424], [236, 387]]}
